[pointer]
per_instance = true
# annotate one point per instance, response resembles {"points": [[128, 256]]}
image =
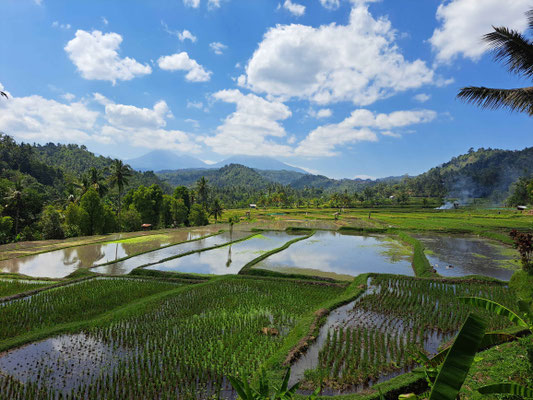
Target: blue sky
{"points": [[344, 88]]}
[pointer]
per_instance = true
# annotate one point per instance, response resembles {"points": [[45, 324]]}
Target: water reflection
{"points": [[332, 254], [60, 263], [465, 255], [227, 259], [124, 267]]}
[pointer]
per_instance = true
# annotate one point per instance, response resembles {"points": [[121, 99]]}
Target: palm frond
{"points": [[3, 94], [520, 99], [529, 15], [513, 49]]}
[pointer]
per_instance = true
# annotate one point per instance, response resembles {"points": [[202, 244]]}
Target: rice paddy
{"points": [[9, 287], [379, 335], [181, 346]]}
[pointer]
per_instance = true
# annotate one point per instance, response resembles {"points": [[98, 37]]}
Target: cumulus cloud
{"points": [[361, 125], [34, 118], [358, 62], [464, 22], [182, 62], [181, 35], [322, 113], [211, 4], [217, 47], [252, 127], [294, 8], [95, 55], [68, 96]]}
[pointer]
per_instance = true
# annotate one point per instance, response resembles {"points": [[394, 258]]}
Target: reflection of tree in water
{"points": [[228, 263], [85, 256], [10, 266]]}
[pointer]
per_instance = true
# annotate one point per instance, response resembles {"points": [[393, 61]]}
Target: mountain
{"points": [[233, 175], [158, 160], [257, 162]]}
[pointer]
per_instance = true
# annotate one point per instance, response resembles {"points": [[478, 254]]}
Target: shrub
{"points": [[131, 220], [51, 224], [198, 216]]}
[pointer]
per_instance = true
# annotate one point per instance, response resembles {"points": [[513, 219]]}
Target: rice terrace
{"points": [[257, 200]]}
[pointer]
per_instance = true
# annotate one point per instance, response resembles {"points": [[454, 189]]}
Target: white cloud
{"points": [[294, 8], [361, 125], [127, 116], [56, 24], [105, 21], [192, 3], [322, 113], [193, 122], [250, 129], [38, 2], [217, 47], [358, 62], [34, 118], [101, 99], [182, 62], [68, 96], [182, 36], [422, 97], [330, 4], [95, 55], [464, 22]]}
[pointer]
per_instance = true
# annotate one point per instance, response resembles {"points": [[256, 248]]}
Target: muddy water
{"points": [[228, 259], [467, 255], [124, 267], [63, 362], [338, 256], [60, 263]]}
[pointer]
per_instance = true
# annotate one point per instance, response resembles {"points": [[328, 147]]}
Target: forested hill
{"points": [[58, 165], [486, 173]]}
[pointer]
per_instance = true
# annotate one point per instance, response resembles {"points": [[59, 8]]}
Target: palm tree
{"points": [[515, 50], [96, 180], [216, 210], [3, 94], [120, 173], [203, 191], [15, 199]]}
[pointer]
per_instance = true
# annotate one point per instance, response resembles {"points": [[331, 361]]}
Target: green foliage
{"points": [[6, 226], [198, 216], [182, 193], [148, 202], [51, 224], [110, 220], [76, 219], [94, 218], [131, 220], [459, 359], [521, 192], [507, 388]]}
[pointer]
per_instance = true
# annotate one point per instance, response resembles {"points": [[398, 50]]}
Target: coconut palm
{"points": [[216, 210], [120, 173], [3, 94], [203, 191], [515, 50], [96, 180]]}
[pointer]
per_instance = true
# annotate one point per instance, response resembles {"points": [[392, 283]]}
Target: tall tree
{"points": [[203, 191], [515, 50], [14, 199], [216, 210], [120, 173], [97, 181]]}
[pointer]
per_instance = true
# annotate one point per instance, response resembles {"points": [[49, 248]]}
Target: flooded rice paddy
{"points": [[331, 254], [467, 255], [63, 363], [124, 267], [60, 263], [228, 259]]}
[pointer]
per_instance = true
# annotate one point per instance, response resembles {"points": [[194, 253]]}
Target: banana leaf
{"points": [[459, 359], [506, 388], [496, 308]]}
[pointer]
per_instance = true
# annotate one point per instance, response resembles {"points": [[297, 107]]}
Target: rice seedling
{"points": [[186, 344], [381, 334], [9, 287], [74, 302]]}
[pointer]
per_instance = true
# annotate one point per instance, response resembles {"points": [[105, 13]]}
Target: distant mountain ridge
{"points": [[158, 160], [258, 162]]}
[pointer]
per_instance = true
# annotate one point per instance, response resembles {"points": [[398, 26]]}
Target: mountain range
{"points": [[166, 160]]}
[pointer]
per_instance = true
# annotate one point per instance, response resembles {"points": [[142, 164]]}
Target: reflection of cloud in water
{"points": [[224, 260]]}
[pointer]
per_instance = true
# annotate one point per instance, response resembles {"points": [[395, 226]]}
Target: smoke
{"points": [[446, 206]]}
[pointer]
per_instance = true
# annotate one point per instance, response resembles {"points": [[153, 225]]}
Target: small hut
{"points": [[146, 227]]}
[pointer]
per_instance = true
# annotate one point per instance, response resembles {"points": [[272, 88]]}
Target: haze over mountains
{"points": [[166, 160]]}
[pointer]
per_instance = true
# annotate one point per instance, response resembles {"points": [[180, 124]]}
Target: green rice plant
{"points": [[74, 302], [10, 287], [186, 344]]}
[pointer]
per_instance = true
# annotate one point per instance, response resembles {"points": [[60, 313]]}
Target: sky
{"points": [[344, 88]]}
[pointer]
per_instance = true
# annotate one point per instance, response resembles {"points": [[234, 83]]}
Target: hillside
{"points": [[258, 162]]}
